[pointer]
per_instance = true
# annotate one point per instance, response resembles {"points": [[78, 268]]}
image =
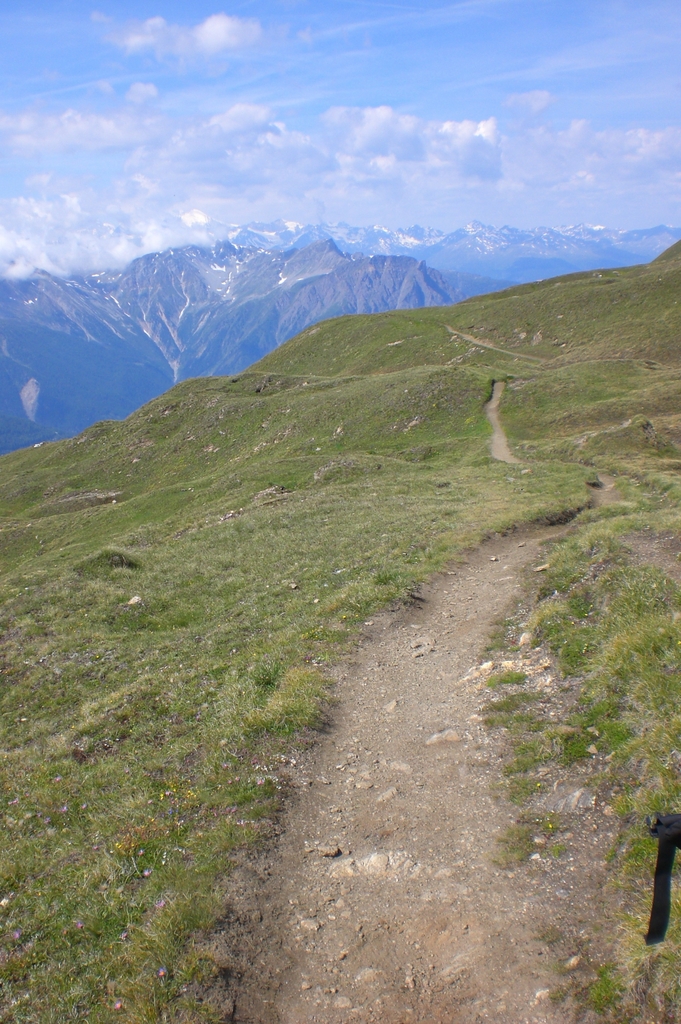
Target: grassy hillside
{"points": [[171, 584]]}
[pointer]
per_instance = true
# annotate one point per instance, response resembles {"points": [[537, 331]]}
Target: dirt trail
{"points": [[607, 493], [384, 899], [493, 348], [499, 448], [413, 921]]}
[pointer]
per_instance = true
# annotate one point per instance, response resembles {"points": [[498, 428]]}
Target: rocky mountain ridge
{"points": [[96, 347], [506, 253]]}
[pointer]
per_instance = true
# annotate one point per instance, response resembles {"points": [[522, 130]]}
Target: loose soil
{"points": [[384, 898], [499, 448]]}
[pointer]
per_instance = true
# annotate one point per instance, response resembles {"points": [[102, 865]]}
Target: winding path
{"points": [[493, 348], [499, 447], [383, 901]]}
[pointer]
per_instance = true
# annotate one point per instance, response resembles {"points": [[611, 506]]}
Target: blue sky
{"points": [[128, 126]]}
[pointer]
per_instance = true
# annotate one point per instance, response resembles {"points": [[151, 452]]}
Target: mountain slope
{"points": [[169, 583], [68, 357], [79, 350]]}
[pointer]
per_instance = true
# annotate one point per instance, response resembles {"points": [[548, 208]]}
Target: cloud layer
{"points": [[218, 34], [184, 180]]}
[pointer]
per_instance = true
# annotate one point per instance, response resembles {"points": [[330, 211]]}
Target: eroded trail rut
{"points": [[413, 920]]}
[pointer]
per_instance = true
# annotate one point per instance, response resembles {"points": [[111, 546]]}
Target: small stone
{"points": [[386, 795], [421, 645], [343, 1003], [374, 864], [306, 985], [577, 800], [446, 736], [541, 995], [366, 975], [364, 784], [535, 856], [542, 568], [401, 766], [343, 954], [330, 850], [343, 868], [573, 962], [608, 811], [135, 600], [593, 749], [522, 544], [310, 924], [294, 586], [494, 558], [525, 638], [390, 706]]}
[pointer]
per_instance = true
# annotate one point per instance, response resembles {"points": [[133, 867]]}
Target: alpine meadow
{"points": [[177, 587]]}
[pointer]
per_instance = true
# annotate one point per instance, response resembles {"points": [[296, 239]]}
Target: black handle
{"points": [[662, 892]]}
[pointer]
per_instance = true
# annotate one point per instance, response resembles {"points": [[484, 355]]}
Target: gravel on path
{"points": [[383, 899]]}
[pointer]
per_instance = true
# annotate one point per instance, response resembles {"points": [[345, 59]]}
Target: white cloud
{"points": [[141, 92], [241, 117], [217, 34], [636, 162], [530, 102], [192, 217], [221, 32], [185, 180], [34, 131]]}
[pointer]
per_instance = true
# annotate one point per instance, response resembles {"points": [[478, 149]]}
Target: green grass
{"points": [[605, 994], [509, 678], [528, 835], [134, 726], [257, 522]]}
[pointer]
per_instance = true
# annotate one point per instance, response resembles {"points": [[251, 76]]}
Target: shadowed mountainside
{"points": [[79, 350]]}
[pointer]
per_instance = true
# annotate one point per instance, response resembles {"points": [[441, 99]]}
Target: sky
{"points": [[129, 126]]}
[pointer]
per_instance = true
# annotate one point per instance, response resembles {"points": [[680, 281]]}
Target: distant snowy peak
{"points": [[507, 253]]}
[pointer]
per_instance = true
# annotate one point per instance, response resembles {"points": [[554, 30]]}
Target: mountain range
{"points": [[97, 347], [92, 347], [508, 254]]}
